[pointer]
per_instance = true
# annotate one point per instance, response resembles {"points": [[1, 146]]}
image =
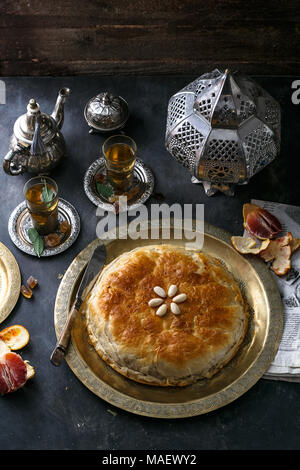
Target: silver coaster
{"points": [[142, 174], [19, 222]]}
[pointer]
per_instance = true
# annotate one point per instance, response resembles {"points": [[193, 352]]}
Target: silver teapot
{"points": [[37, 145]]}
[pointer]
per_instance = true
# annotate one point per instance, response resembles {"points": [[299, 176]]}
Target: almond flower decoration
{"points": [[159, 301]]}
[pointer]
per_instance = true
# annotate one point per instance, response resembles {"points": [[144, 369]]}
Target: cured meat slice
{"points": [[13, 372]]}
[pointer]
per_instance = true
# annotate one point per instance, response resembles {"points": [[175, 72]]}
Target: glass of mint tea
{"points": [[41, 193]]}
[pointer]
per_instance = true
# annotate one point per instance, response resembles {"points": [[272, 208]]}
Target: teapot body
{"points": [[20, 160], [37, 144]]}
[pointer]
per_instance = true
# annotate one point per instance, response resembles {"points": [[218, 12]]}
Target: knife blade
{"points": [[89, 278]]}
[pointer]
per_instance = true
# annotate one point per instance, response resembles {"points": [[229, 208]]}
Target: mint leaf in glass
{"points": [[47, 193], [104, 190]]}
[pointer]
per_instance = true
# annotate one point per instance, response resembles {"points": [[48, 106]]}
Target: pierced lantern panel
{"points": [[223, 128], [221, 159]]}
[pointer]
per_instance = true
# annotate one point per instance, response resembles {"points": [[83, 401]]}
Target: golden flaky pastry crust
{"points": [[173, 350]]}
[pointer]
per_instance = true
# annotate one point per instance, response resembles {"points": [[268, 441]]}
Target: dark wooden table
{"points": [[55, 410]]}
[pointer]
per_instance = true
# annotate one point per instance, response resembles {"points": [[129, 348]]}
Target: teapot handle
{"points": [[9, 167]]}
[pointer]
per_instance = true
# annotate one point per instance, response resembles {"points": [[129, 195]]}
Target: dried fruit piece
{"points": [[64, 227], [100, 178], [279, 252], [32, 282], [26, 292], [15, 337], [52, 240], [247, 245], [133, 192], [260, 223]]}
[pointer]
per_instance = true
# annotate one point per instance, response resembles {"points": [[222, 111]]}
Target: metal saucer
{"points": [[142, 174], [19, 222]]}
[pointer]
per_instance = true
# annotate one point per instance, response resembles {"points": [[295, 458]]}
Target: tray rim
{"points": [[175, 410], [15, 278]]}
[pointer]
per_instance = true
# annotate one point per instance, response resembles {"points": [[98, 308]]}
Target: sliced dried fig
{"points": [[64, 227], [279, 252], [260, 223], [53, 239], [247, 245]]}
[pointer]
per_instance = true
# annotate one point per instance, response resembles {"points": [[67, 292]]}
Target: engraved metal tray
{"points": [[10, 282], [19, 222], [239, 375], [141, 173]]}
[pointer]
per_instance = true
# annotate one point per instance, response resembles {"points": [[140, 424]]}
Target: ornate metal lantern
{"points": [[223, 128]]}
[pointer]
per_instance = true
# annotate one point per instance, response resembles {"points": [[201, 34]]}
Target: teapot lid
{"points": [[25, 125], [106, 112]]}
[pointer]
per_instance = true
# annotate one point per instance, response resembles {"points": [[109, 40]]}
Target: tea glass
{"points": [[120, 156], [41, 194]]}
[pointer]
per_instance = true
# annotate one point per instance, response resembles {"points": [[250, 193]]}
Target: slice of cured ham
{"points": [[13, 370]]}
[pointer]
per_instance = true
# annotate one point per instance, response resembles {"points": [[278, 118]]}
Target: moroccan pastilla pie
{"points": [[167, 316]]}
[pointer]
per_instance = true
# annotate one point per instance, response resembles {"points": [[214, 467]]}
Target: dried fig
{"points": [[64, 227], [52, 240], [260, 223]]}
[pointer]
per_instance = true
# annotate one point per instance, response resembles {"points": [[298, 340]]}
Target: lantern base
{"points": [[212, 188]]}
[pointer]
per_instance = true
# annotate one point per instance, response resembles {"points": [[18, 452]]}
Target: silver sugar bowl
{"points": [[224, 128], [37, 144], [106, 113]]}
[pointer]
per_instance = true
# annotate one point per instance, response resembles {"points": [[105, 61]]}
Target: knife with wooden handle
{"points": [[92, 270]]}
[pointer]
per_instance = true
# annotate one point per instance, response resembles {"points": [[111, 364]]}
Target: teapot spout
{"points": [[58, 112]]}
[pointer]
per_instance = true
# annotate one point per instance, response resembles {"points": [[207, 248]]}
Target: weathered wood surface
{"points": [[148, 36]]}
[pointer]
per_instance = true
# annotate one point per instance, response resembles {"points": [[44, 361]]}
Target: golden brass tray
{"points": [[10, 282], [252, 360]]}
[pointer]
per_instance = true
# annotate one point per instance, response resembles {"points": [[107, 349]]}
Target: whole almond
{"points": [[180, 298], [160, 291], [155, 302], [162, 310], [172, 290], [175, 309]]}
